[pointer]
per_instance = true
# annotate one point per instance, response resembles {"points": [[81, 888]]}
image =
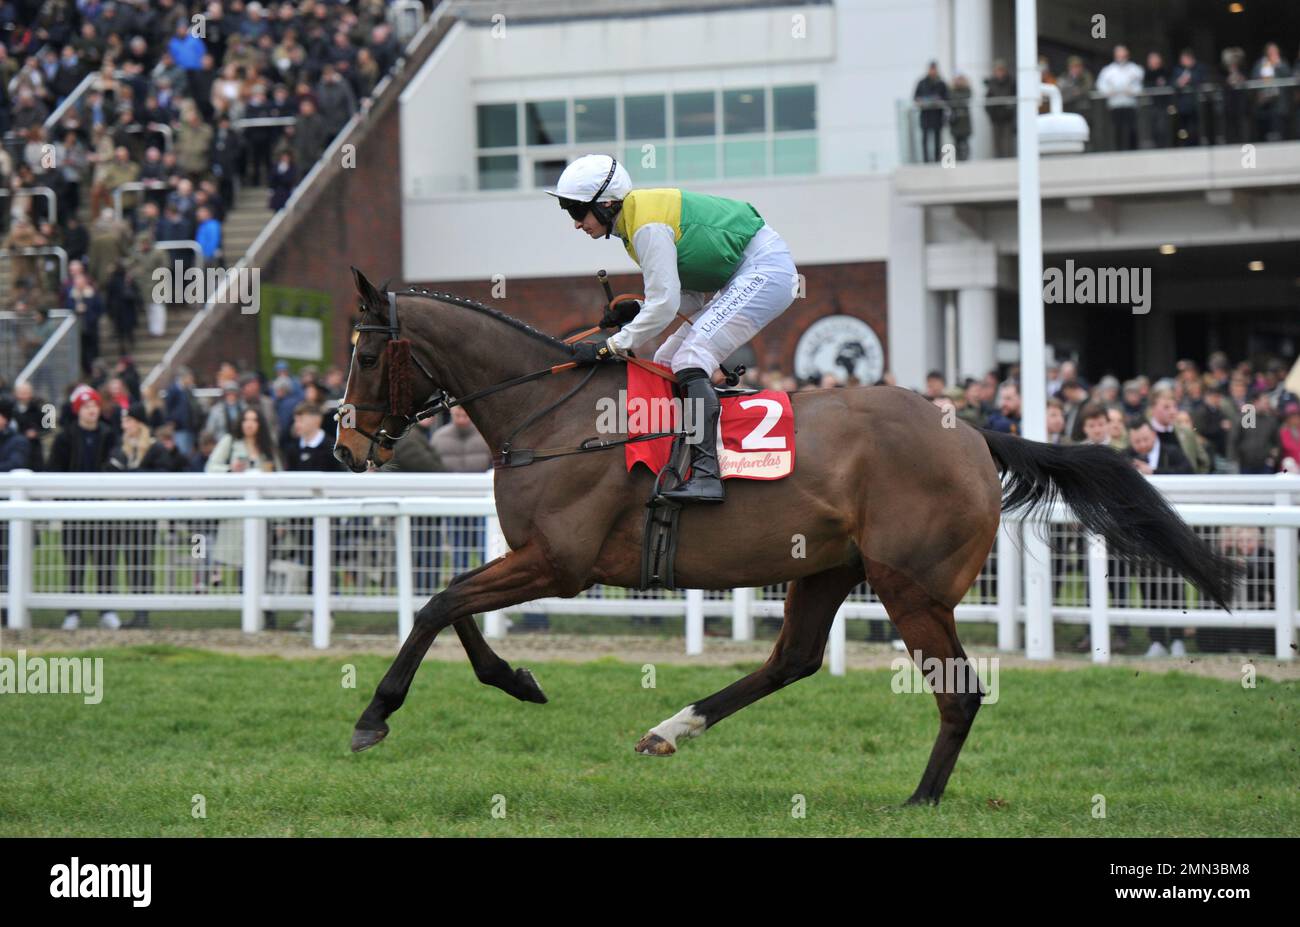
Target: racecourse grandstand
{"points": [[141, 134]]}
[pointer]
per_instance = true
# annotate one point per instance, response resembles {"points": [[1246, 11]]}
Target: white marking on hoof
{"points": [[686, 723]]}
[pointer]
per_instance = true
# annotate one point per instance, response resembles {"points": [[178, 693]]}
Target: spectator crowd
{"points": [[1165, 102], [144, 118]]}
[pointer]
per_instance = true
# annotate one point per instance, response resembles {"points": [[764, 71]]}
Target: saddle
{"points": [[757, 443]]}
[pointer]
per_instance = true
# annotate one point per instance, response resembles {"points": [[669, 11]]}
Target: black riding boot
{"points": [[705, 484]]}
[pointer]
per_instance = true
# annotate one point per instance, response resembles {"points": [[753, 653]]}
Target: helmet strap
{"points": [[607, 215]]}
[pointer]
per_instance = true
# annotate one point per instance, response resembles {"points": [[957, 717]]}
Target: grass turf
{"points": [[264, 741]]}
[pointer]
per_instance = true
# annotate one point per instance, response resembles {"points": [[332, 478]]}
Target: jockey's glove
{"points": [[587, 352], [619, 314]]}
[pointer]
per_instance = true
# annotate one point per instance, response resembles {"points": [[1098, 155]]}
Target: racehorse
{"points": [[882, 491]]}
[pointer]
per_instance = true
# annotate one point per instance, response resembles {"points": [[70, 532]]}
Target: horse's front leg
{"points": [[519, 576], [490, 669]]}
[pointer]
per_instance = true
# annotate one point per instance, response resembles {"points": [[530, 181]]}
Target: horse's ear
{"points": [[370, 297]]}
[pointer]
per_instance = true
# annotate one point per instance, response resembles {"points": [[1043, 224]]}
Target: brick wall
{"points": [[357, 221], [561, 305]]}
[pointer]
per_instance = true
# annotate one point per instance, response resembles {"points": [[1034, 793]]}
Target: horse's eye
{"points": [[367, 360]]}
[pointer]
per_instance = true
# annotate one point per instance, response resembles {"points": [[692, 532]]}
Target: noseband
{"points": [[400, 357]]}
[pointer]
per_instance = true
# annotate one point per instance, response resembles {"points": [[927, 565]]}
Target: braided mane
{"points": [[488, 310]]}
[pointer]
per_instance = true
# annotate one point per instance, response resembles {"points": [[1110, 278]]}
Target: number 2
{"points": [[758, 440]]}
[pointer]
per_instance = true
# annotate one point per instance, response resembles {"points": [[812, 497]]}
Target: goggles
{"points": [[576, 210]]}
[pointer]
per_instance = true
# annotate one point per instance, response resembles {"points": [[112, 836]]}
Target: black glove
{"points": [[587, 352], [620, 314]]}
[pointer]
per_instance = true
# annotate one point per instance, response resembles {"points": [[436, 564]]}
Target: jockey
{"points": [[713, 260]]}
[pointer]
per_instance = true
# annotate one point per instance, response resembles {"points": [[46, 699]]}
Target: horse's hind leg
{"points": [[810, 608], [930, 631]]}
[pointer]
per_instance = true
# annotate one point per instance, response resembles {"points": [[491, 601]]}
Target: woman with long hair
{"points": [[252, 450], [151, 398], [138, 452]]}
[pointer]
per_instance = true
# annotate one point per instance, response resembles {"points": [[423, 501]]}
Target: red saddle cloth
{"points": [[757, 430]]}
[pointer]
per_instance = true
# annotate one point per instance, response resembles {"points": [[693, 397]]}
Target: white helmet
{"points": [[590, 184]]}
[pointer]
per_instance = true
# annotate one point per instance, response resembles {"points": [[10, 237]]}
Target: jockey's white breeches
{"points": [[762, 287]]}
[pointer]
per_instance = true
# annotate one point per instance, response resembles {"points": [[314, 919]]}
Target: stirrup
{"points": [[706, 489]]}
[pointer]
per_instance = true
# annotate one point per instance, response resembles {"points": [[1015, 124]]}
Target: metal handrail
{"points": [[133, 186], [52, 120], [65, 328], [38, 251], [179, 244], [38, 191], [258, 122], [1259, 84], [8, 315], [70, 100], [161, 128]]}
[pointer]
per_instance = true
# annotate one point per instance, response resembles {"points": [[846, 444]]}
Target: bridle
{"points": [[399, 354]]}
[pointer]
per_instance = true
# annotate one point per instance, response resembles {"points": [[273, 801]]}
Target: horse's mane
{"points": [[489, 311]]}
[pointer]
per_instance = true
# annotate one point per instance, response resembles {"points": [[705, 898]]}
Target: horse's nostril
{"points": [[342, 454]]}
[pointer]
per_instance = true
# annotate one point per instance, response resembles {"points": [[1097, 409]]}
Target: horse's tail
{"points": [[1110, 498]]}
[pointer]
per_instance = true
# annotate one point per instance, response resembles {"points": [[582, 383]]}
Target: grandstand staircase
{"points": [[243, 224]]}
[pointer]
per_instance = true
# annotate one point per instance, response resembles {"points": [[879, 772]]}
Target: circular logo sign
{"points": [[843, 345]]}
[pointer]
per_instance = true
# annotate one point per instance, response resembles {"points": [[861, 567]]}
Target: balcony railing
{"points": [[1164, 117]]}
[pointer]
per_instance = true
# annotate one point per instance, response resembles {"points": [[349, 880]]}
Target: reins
{"points": [[400, 356]]}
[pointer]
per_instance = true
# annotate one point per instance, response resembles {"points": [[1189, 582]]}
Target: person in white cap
{"points": [[714, 260]]}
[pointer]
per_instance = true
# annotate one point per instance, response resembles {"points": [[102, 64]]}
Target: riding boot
{"points": [[705, 483]]}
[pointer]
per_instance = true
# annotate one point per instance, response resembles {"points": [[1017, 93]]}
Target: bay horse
{"points": [[882, 491]]}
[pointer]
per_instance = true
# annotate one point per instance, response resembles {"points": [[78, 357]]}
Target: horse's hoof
{"points": [[364, 740], [527, 689], [921, 800], [654, 745]]}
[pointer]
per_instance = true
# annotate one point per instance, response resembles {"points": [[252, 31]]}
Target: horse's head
{"points": [[379, 405]]}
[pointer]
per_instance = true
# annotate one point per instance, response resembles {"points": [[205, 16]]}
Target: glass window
{"points": [[696, 120], [794, 109], [498, 172], [743, 111], [546, 123], [497, 125], [693, 114], [744, 159], [695, 161], [794, 156], [647, 162], [593, 120], [644, 117], [547, 173]]}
